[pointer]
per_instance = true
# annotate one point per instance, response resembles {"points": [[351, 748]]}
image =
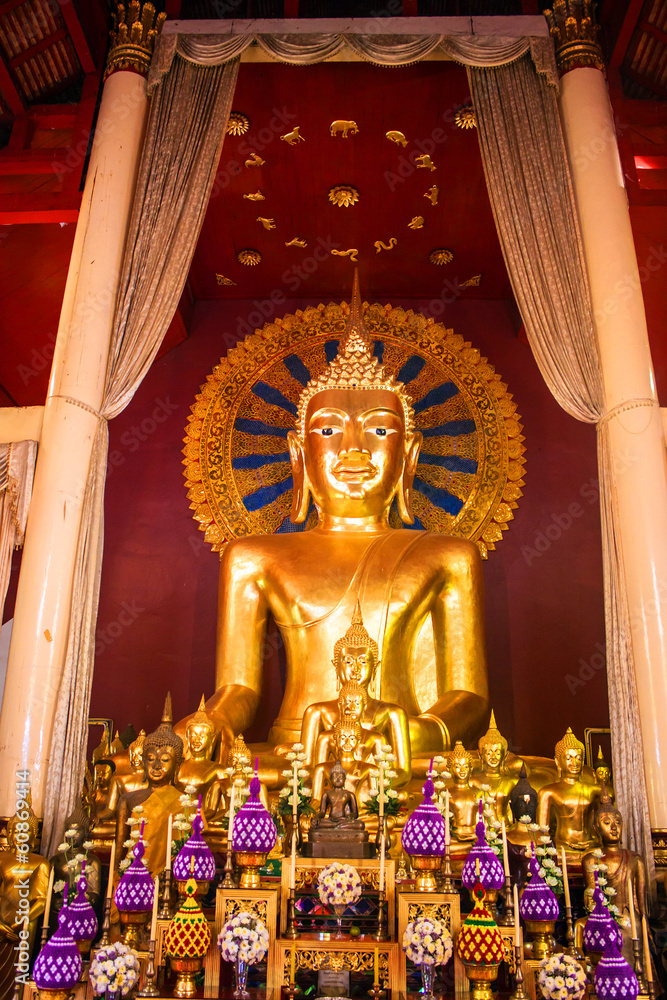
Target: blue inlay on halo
{"points": [[450, 429], [297, 369], [257, 461], [410, 369], [273, 396], [438, 497], [330, 350], [259, 428], [440, 394], [454, 463], [266, 495], [378, 350]]}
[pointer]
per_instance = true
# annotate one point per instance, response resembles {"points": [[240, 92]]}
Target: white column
{"points": [[43, 601], [636, 432]]}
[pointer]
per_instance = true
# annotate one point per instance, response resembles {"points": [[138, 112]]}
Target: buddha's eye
{"points": [[327, 432], [381, 431]]}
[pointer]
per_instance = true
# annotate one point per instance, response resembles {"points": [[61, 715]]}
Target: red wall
{"points": [[156, 626]]}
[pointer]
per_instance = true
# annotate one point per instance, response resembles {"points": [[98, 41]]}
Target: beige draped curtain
{"points": [[514, 85], [17, 471]]}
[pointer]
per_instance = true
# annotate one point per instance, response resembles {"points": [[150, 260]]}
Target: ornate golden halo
{"points": [[237, 470]]}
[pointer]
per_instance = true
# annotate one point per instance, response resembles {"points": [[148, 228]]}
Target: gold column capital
{"points": [[135, 27], [575, 33]]}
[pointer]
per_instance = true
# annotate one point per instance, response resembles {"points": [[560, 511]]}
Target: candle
{"points": [[647, 951], [448, 836], [292, 962], [292, 866], [566, 881], [47, 908], [381, 800], [112, 862], [517, 918], [506, 860], [376, 966], [631, 907], [295, 790], [167, 860], [230, 824], [156, 893], [382, 862]]}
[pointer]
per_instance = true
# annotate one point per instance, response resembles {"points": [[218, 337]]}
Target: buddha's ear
{"points": [[301, 490], [405, 486]]}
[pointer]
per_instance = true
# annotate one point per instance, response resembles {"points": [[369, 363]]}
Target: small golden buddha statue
{"points": [[122, 782], [162, 755], [464, 797], [24, 882], [198, 770], [603, 773], [352, 705], [568, 803], [496, 769], [354, 451], [102, 819]]}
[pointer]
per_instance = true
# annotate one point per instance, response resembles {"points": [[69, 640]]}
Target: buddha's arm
{"points": [[543, 807], [115, 792], [311, 728], [458, 627], [640, 884], [400, 742]]}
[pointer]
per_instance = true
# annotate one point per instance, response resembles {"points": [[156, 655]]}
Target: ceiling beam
{"points": [[17, 162], [9, 91], [17, 209], [38, 47], [625, 34], [76, 32], [644, 81]]}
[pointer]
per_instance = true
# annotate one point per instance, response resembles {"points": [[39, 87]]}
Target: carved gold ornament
{"points": [[220, 278], [417, 222], [255, 160], [397, 137], [424, 162], [380, 245], [353, 959], [470, 469], [267, 223], [441, 256], [471, 282], [352, 254], [238, 124], [576, 34], [466, 117], [294, 136], [343, 128], [432, 194], [249, 257], [343, 195], [298, 241], [132, 37], [255, 196]]}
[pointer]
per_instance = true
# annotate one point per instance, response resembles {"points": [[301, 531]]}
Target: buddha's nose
{"points": [[353, 444]]}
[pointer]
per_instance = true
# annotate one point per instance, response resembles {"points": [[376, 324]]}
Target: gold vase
{"points": [[542, 937], [203, 886], [250, 862], [49, 994], [481, 977], [186, 969], [84, 949], [425, 867], [134, 924], [490, 899]]}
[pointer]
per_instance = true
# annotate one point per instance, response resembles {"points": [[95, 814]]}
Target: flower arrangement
{"points": [[244, 938], [384, 759], [339, 885], [114, 969], [546, 856], [134, 822], [608, 892], [303, 795], [76, 862], [182, 822], [427, 942], [440, 776], [561, 977]]}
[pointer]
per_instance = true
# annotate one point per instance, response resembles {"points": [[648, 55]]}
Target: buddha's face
{"points": [[136, 757], [354, 451], [353, 705], [102, 774], [571, 762], [337, 778], [200, 739], [460, 768], [355, 663], [603, 774], [347, 741], [493, 754], [160, 764], [80, 835], [610, 826]]}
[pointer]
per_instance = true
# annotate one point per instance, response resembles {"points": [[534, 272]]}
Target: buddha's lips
{"points": [[365, 470]]}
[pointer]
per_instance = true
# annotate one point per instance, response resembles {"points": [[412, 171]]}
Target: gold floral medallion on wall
{"points": [[470, 470]]}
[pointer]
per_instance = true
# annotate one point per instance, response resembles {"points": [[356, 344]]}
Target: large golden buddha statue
{"points": [[354, 451]]}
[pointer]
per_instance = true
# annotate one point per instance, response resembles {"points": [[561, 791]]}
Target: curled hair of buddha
{"points": [[354, 367], [523, 797], [201, 717], [493, 736], [356, 637], [338, 768], [238, 755], [568, 742], [459, 753], [164, 735], [348, 725]]}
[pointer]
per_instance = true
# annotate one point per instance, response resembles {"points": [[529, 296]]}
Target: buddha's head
{"points": [[607, 820], [78, 821], [356, 654], [355, 447], [492, 748], [136, 751], [337, 775], [523, 799], [569, 755], [602, 769], [163, 751], [239, 757], [459, 763], [347, 734], [200, 734], [102, 772]]}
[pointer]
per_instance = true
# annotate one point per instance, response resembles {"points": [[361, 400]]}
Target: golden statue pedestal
{"points": [[310, 953]]}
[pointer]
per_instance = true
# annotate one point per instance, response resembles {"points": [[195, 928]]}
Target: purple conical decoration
{"points": [[135, 889], [424, 832], [491, 874], [254, 830], [58, 965], [601, 929], [614, 979], [81, 919], [538, 901], [194, 860]]}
